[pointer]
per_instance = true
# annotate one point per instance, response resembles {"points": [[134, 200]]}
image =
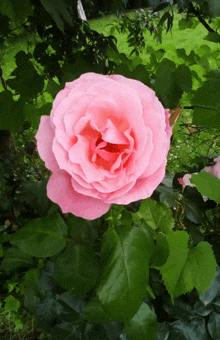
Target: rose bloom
{"points": [[106, 141]]}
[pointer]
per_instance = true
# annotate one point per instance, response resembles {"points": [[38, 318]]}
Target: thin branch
{"points": [[198, 15]]}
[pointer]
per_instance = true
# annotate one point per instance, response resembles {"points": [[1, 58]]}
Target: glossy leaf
{"points": [[77, 268], [125, 256], [42, 237], [143, 326]]}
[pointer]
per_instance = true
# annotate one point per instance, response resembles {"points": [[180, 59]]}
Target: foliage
{"points": [[143, 271]]}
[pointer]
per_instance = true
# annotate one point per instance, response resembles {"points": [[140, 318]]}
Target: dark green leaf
{"points": [[17, 11], [94, 312], [15, 259], [183, 78], [42, 237], [125, 256], [82, 231], [213, 36], [161, 250], [33, 113], [11, 114], [165, 85], [160, 7], [195, 330], [77, 269], [35, 195], [214, 325], [192, 211], [53, 88], [213, 291], [58, 11], [28, 83], [143, 326], [207, 103]]}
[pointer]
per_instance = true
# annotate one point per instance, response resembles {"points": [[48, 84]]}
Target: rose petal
{"points": [[44, 137], [60, 191]]}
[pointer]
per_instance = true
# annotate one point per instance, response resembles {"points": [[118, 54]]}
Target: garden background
{"points": [[59, 273]]}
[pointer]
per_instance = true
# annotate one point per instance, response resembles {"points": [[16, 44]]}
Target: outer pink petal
{"points": [[60, 191], [44, 137]]}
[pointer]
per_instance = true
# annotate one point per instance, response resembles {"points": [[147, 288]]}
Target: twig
{"points": [[198, 15]]}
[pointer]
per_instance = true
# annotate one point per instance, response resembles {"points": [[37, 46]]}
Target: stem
{"points": [[202, 106], [192, 9]]}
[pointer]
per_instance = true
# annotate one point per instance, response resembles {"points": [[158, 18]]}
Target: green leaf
{"points": [[185, 268], [192, 211], [207, 184], [165, 85], [35, 195], [213, 36], [1, 250], [33, 113], [17, 11], [193, 330], [207, 103], [94, 312], [143, 326], [183, 78], [12, 116], [15, 259], [156, 215], [58, 11], [125, 256], [214, 325], [42, 237], [11, 304], [82, 231], [200, 260], [213, 291], [161, 251], [27, 82], [77, 268], [53, 88], [142, 74]]}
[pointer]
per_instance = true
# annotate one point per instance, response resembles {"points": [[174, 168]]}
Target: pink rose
{"points": [[215, 169], [105, 141]]}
